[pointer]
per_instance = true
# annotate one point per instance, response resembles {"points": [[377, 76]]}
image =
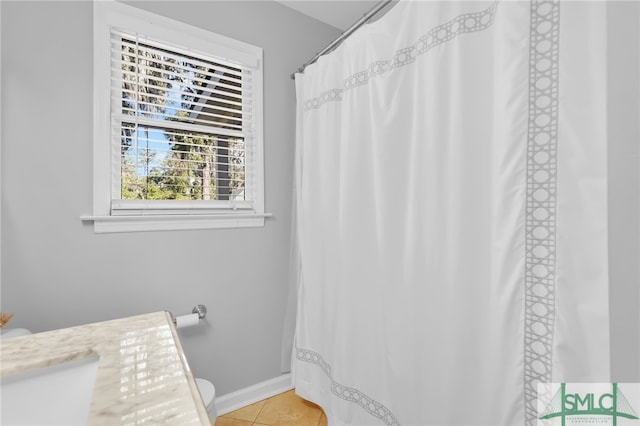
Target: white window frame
{"points": [[108, 14]]}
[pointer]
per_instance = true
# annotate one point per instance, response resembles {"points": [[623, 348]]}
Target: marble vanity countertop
{"points": [[143, 375]]}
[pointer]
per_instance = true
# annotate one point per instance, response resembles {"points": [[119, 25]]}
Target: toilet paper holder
{"points": [[201, 310]]}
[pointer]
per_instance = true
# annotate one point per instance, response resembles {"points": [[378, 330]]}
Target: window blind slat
{"points": [[128, 207], [151, 107], [170, 132], [176, 125], [238, 151], [138, 149], [213, 124], [215, 166], [236, 100]]}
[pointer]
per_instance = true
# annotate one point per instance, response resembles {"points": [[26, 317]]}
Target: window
{"points": [[177, 125]]}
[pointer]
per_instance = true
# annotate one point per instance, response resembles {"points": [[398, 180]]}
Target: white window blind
{"points": [[182, 130]]}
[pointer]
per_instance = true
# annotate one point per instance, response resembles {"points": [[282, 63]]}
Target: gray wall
{"points": [[623, 69], [57, 273]]}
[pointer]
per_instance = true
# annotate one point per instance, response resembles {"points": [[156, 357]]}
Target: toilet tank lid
{"points": [[14, 332]]}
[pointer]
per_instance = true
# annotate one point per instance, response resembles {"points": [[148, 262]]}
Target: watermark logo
{"points": [[562, 404]]}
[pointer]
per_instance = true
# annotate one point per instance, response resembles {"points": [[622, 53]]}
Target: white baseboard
{"points": [[243, 397]]}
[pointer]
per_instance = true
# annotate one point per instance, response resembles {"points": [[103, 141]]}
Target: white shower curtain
{"points": [[451, 213]]}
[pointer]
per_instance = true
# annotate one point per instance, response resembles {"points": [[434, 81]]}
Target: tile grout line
{"points": [[260, 411]]}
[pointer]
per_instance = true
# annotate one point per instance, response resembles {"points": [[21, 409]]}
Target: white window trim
{"points": [[107, 14]]}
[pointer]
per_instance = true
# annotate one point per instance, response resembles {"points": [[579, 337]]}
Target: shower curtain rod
{"points": [[365, 18]]}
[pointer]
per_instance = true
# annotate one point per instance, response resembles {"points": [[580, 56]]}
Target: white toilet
{"points": [[208, 393], [206, 388]]}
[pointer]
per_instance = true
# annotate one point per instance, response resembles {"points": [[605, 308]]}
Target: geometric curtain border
{"points": [[461, 24], [370, 405], [540, 211]]}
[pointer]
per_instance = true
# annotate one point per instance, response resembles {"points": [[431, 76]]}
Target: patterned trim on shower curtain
{"points": [[461, 24], [367, 403], [540, 239]]}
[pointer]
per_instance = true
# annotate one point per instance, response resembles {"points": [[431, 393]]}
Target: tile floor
{"points": [[285, 409]]}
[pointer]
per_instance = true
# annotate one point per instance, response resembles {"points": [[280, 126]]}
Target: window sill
{"points": [[142, 223]]}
